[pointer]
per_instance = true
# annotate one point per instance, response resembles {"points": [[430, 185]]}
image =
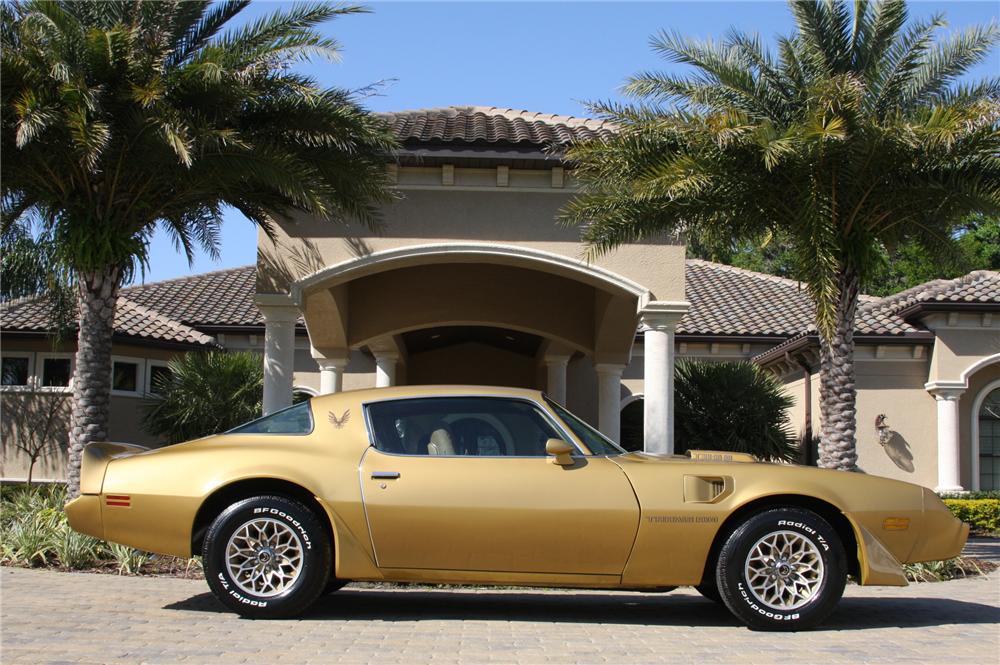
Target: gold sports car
{"points": [[500, 486]]}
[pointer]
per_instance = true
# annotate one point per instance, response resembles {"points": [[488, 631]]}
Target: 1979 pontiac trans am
{"points": [[500, 486]]}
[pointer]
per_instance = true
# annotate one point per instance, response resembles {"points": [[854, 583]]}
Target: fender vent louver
{"points": [[707, 489]]}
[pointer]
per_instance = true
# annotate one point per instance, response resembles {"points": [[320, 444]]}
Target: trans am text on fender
{"points": [[500, 486]]}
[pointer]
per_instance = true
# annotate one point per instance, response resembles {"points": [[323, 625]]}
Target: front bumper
{"points": [[84, 515]]}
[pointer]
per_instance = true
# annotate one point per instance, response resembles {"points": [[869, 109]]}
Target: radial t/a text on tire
{"points": [[267, 557], [782, 569]]}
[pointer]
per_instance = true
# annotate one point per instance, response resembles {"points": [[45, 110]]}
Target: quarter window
{"points": [[293, 420], [461, 426]]}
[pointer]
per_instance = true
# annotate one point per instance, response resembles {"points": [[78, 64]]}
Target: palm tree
{"points": [[122, 116], [852, 137]]}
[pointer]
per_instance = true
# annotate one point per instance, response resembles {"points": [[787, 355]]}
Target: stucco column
{"points": [[659, 320], [609, 399], [555, 368], [331, 372], [948, 440], [279, 355], [385, 368]]}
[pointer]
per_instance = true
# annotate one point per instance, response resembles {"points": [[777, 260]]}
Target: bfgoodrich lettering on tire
{"points": [[782, 569], [267, 557]]}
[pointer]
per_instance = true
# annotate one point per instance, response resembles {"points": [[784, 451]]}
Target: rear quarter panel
{"points": [[167, 486]]}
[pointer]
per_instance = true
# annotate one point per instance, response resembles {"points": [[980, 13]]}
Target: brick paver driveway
{"points": [[66, 617]]}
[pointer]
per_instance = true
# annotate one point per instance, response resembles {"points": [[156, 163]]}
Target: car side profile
{"points": [[484, 485]]}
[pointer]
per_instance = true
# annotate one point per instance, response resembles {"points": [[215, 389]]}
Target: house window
{"points": [[126, 376], [158, 373], [56, 370], [989, 442], [15, 370]]}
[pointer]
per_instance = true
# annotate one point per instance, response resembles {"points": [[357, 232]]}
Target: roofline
{"points": [[186, 278], [116, 337], [946, 306], [812, 339]]}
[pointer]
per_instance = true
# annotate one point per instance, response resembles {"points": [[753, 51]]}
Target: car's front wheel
{"points": [[267, 557], [782, 569]]}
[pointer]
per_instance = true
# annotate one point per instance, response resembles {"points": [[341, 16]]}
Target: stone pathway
{"points": [[983, 548], [51, 617]]}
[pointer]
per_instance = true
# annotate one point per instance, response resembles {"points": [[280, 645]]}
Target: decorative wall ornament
{"points": [[884, 431]]}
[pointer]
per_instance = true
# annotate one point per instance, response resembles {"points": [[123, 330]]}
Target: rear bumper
{"points": [[84, 515]]}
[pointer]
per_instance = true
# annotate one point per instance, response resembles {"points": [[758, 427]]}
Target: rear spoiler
{"points": [[96, 457]]}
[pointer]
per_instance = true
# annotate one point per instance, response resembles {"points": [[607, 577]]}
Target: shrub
{"points": [[27, 540], [941, 571], [205, 393], [980, 514], [130, 560], [735, 407], [979, 494]]}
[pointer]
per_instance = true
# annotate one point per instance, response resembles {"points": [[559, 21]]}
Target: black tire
{"points": [[810, 533], [333, 585], [302, 528], [709, 590]]}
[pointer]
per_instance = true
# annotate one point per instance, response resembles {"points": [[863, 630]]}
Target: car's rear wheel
{"points": [[267, 557], [782, 569]]}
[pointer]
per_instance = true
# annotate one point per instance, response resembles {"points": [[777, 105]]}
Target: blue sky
{"points": [[541, 56]]}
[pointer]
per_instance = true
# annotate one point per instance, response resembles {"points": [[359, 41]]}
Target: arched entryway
{"points": [[484, 314], [472, 355]]}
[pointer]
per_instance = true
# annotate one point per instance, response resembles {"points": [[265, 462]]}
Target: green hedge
{"points": [[981, 514]]}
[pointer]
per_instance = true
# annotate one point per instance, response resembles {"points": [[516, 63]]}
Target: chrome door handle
{"points": [[385, 475]]}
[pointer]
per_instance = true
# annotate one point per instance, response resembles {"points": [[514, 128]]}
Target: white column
{"points": [[948, 440], [385, 368], [555, 367], [659, 320], [609, 399], [279, 355], [331, 374]]}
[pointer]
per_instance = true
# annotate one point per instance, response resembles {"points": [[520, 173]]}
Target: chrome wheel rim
{"points": [[784, 570], [264, 557]]}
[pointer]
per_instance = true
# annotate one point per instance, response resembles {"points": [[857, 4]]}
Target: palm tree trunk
{"points": [[97, 296], [838, 383]]}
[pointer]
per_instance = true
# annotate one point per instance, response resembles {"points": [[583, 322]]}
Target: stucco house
{"points": [[471, 280]]}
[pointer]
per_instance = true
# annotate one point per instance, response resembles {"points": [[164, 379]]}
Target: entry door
{"points": [[464, 484]]}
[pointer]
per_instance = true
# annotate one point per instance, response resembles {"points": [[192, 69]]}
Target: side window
{"points": [[461, 426], [293, 420]]}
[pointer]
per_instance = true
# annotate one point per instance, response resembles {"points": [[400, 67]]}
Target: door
{"points": [[463, 483]]}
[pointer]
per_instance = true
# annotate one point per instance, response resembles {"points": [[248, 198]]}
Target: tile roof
{"points": [[724, 301], [978, 287], [491, 124], [131, 319], [732, 301], [219, 298]]}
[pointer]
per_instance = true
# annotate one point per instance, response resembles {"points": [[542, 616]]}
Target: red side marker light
{"points": [[122, 500]]}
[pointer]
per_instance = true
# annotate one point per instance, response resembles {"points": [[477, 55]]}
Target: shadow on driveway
{"points": [[651, 609]]}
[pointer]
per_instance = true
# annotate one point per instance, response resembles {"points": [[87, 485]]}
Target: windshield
{"points": [[594, 440], [293, 420]]}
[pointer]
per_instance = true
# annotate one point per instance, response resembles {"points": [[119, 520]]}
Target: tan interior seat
{"points": [[440, 442]]}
